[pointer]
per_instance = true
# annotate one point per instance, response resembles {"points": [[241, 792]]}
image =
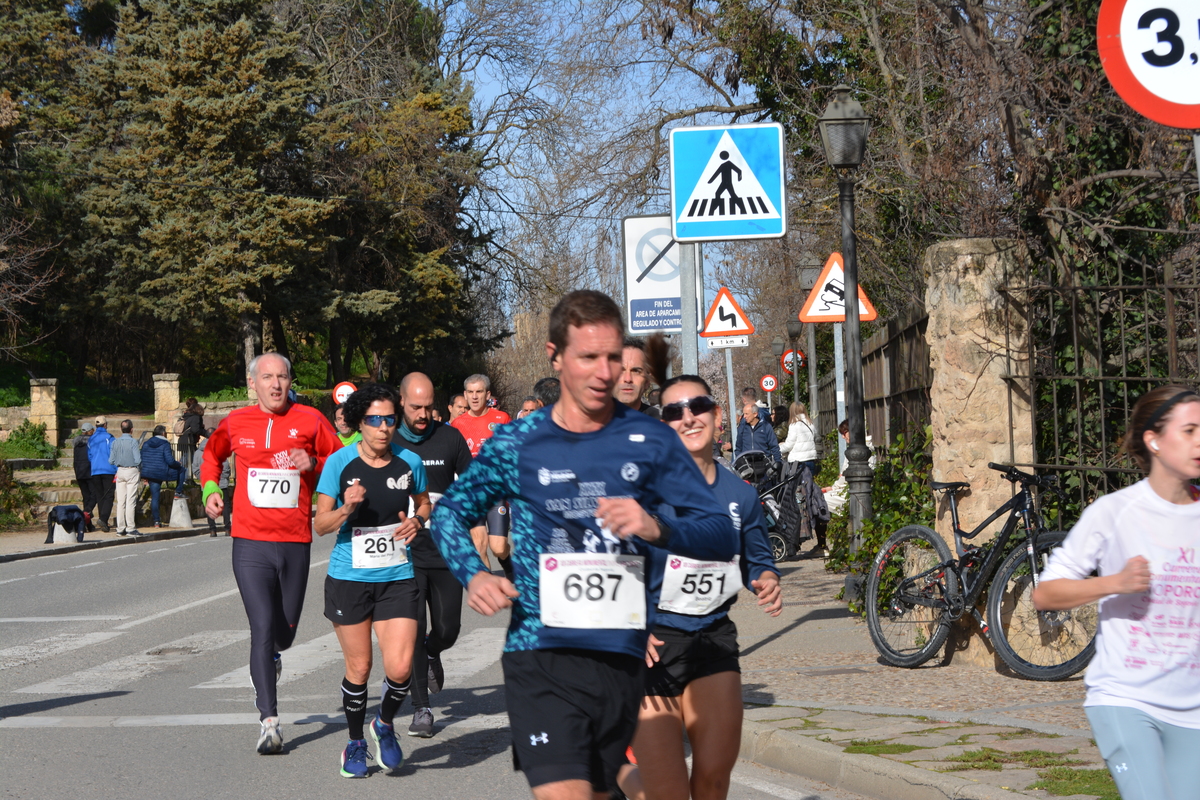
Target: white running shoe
{"points": [[270, 740]]}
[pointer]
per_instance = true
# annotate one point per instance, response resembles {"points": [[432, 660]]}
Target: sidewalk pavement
{"points": [[26, 543], [820, 703]]}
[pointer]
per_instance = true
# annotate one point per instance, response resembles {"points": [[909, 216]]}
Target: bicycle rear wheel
{"points": [[1039, 645], [908, 594]]}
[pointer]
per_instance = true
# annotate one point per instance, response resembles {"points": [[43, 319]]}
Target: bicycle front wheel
{"points": [[1039, 645], [908, 596]]}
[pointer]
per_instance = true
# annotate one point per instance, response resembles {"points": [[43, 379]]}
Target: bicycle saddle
{"points": [[953, 486]]}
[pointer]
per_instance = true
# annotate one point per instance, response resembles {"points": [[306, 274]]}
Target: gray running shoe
{"points": [[422, 724], [437, 675], [270, 740]]}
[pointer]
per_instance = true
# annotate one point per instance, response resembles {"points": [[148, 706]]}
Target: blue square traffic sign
{"points": [[728, 183]]}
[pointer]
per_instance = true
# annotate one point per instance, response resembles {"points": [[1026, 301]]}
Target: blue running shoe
{"points": [[387, 750], [354, 759]]}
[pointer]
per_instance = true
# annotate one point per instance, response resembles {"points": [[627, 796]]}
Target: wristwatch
{"points": [[421, 519]]}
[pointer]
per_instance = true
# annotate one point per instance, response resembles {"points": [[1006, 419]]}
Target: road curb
{"points": [[161, 536], [867, 775]]}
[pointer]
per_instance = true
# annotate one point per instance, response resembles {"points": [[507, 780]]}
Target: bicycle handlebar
{"points": [[1014, 475]]}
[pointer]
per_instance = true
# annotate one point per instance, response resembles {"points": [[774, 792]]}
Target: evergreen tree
{"points": [[195, 143]]}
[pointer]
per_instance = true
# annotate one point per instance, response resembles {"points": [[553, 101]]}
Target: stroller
{"points": [[785, 501]]}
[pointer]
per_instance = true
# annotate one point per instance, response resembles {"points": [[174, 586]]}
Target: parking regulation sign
{"points": [[727, 183], [1150, 50], [652, 289]]}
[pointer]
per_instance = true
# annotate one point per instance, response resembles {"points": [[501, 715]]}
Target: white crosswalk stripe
{"points": [[51, 646], [129, 669], [297, 662], [480, 722], [473, 653]]}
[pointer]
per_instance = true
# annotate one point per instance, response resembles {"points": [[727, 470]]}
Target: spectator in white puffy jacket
{"points": [[835, 496], [800, 447]]}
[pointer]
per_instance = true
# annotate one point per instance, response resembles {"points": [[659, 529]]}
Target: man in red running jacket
{"points": [[280, 449], [477, 426]]}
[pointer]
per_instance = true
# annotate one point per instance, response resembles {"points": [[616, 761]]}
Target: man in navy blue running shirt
{"points": [[585, 479]]}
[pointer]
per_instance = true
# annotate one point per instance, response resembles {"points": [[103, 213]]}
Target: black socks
{"points": [[394, 693], [354, 701]]}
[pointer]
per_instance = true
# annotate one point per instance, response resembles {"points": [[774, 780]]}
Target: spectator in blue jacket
{"points": [[754, 432], [104, 472], [158, 465]]}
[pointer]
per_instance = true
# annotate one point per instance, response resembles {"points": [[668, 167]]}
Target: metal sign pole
{"points": [[814, 383], [689, 321], [839, 374], [729, 385]]}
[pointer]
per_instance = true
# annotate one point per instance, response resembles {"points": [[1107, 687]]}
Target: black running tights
{"points": [[441, 592], [272, 578]]}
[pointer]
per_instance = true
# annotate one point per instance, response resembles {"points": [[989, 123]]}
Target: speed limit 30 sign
{"points": [[767, 383], [1150, 50]]}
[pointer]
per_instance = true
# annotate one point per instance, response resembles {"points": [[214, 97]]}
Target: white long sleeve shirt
{"points": [[1148, 646]]}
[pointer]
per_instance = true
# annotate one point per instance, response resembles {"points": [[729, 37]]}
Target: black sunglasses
{"points": [[700, 404]]}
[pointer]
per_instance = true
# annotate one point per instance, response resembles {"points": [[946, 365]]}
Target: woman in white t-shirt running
{"points": [[1143, 686]]}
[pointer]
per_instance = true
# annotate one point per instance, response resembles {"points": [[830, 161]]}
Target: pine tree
{"points": [[195, 144]]}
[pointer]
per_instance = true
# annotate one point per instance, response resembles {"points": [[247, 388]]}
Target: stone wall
{"points": [[167, 408], [977, 343], [43, 406], [10, 419]]}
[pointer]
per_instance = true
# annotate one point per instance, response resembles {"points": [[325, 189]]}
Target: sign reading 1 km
{"points": [[727, 183], [1150, 50]]}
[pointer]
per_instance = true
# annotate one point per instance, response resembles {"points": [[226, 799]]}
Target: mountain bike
{"points": [[916, 589]]}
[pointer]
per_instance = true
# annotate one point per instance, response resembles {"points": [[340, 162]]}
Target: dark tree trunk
{"points": [[278, 334], [249, 330], [335, 352]]}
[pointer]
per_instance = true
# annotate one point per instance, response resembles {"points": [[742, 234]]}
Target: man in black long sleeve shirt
{"points": [[445, 454]]}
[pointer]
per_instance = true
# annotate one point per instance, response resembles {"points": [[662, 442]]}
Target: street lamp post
{"points": [[844, 127], [795, 328], [778, 345]]}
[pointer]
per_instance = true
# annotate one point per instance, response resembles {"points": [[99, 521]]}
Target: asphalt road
{"points": [[123, 673]]}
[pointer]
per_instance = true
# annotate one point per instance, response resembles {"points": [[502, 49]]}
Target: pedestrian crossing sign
{"points": [[727, 183]]}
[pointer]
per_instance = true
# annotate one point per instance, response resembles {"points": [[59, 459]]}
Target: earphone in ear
{"points": [[1154, 446]]}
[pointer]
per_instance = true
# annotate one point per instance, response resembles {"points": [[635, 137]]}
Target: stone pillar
{"points": [[980, 399], [166, 401], [43, 406]]}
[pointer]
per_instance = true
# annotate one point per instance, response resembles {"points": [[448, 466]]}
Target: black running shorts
{"points": [[686, 655], [497, 520], [351, 602], [572, 713]]}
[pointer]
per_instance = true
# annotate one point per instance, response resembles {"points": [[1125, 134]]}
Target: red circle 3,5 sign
{"points": [[1150, 50]]}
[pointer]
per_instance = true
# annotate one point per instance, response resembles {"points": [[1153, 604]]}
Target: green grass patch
{"points": [[17, 499], [993, 759], [1064, 781], [881, 747], [28, 441]]}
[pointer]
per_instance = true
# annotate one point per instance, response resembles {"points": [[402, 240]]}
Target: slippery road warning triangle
{"points": [[827, 300], [726, 317]]}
